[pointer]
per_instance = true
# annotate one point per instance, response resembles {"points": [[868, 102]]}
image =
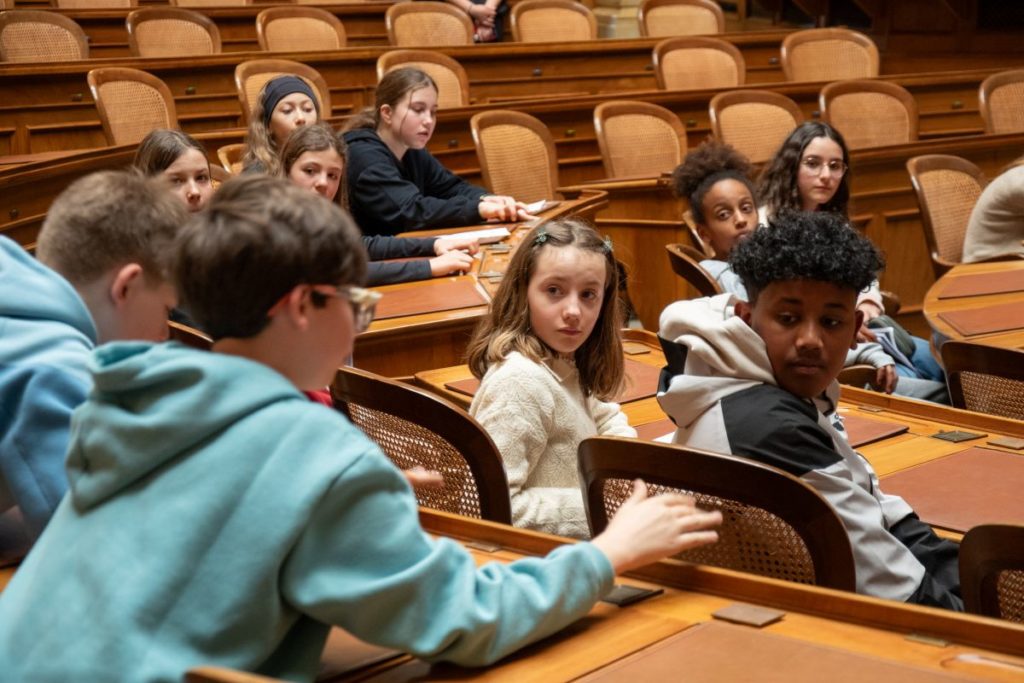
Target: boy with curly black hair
{"points": [[757, 380]]}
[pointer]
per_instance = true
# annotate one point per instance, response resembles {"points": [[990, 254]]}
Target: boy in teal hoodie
{"points": [[218, 517]]}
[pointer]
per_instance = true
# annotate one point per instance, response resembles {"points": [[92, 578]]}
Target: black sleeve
{"points": [[392, 272], [443, 183], [941, 585], [771, 425], [380, 247]]}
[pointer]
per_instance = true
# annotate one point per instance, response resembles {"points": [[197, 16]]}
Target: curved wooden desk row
{"points": [[979, 302]]}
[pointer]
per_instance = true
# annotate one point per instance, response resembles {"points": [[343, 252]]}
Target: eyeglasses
{"points": [[813, 165], [363, 302]]}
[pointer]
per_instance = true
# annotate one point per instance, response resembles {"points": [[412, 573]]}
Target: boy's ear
{"points": [[744, 311], [293, 307], [125, 280], [859, 321]]}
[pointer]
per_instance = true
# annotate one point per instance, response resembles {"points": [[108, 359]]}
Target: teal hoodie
{"points": [[46, 339], [216, 516]]}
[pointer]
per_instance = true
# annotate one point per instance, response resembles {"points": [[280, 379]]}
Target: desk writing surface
{"points": [[938, 308]]}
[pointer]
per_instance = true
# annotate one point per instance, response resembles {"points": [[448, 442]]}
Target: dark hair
{"points": [[390, 90], [777, 186], [711, 162], [108, 219], [506, 326], [260, 237], [802, 245], [261, 150], [161, 148], [316, 137]]}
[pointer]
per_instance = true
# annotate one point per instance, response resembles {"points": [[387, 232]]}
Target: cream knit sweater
{"points": [[537, 415]]}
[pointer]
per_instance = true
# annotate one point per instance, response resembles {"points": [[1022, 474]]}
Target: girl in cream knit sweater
{"points": [[547, 353]]}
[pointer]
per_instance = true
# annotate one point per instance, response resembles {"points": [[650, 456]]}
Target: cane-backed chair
{"points": [[416, 428], [452, 81], [698, 63], [427, 24], [638, 138], [171, 32], [251, 76], [992, 571], [773, 524], [230, 157], [828, 54], [551, 21], [664, 18], [298, 29], [947, 189], [685, 261], [94, 4], [985, 379], [755, 122], [516, 153], [37, 36], [210, 3], [870, 113], [1001, 100], [131, 103]]}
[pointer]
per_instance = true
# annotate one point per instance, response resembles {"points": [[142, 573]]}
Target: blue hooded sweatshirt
{"points": [[216, 516], [46, 339]]}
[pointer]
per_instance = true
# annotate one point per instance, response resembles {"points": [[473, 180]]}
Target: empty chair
{"points": [[1001, 100], [773, 524], [517, 155], [131, 103], [550, 21], [94, 4], [251, 76], [698, 63], [452, 81], [210, 3], [828, 54], [662, 18], [685, 261], [427, 24], [230, 157], [985, 379], [755, 122], [870, 113], [34, 36], [171, 32], [992, 571], [947, 189], [416, 428], [638, 138], [296, 29]]}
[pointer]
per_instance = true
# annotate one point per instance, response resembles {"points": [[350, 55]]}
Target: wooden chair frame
{"points": [[271, 14], [724, 476], [613, 108], [648, 5], [230, 155], [985, 91], [392, 59], [254, 67], [685, 261], [437, 415], [93, 4], [962, 356], [496, 117], [985, 552], [97, 77], [525, 6], [210, 3], [920, 165], [695, 42], [723, 101], [793, 40], [145, 14], [24, 16], [834, 90], [399, 10]]}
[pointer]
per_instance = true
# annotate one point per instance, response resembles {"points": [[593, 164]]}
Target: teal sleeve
{"points": [[365, 564]]}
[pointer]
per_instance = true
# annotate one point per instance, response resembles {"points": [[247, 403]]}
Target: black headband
{"points": [[279, 88]]}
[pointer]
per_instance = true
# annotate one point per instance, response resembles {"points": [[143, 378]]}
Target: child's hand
{"points": [[456, 242], [421, 478], [500, 208], [450, 262], [886, 379], [648, 529], [865, 334]]}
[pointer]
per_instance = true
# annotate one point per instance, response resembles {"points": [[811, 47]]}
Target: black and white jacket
{"points": [[720, 392]]}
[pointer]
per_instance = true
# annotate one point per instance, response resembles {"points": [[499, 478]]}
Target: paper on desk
{"points": [[540, 205], [487, 236]]}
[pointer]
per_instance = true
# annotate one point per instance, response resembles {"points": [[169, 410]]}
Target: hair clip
{"points": [[541, 237], [608, 244]]}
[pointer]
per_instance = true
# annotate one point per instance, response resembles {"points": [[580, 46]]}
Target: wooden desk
{"points": [[402, 346], [934, 305]]}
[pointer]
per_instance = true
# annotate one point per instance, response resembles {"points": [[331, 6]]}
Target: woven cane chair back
{"points": [[870, 113], [37, 36], [517, 155], [755, 122], [828, 54], [665, 18], [992, 571], [452, 81], [95, 4], [427, 24], [985, 379], [1001, 100], [131, 103], [298, 29], [947, 189], [171, 32], [698, 64], [552, 21], [210, 3], [638, 138]]}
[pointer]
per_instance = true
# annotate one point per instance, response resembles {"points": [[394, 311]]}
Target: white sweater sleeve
{"points": [[610, 419]]}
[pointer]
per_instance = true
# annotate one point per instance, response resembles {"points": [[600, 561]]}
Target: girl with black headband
{"points": [[285, 103]]}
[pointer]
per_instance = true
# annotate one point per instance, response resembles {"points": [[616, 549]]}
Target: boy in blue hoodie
{"points": [[216, 516], [99, 277]]}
